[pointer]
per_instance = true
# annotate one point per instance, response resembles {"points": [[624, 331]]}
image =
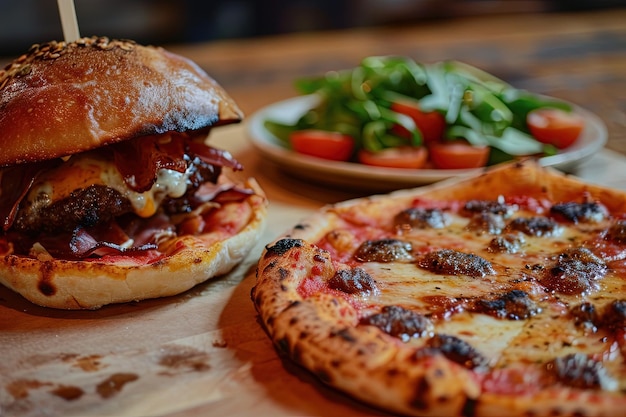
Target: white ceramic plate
{"points": [[363, 177]]}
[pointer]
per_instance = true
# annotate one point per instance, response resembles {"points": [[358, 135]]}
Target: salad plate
{"points": [[363, 177]]}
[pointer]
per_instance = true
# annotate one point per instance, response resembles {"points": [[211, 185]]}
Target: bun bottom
{"points": [[91, 284]]}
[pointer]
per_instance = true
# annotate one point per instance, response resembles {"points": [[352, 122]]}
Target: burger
{"points": [[109, 192]]}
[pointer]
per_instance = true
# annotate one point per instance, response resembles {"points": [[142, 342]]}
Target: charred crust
{"points": [[469, 407], [283, 345], [323, 375], [283, 274], [420, 398], [283, 246], [270, 265], [344, 334], [292, 305], [46, 288]]}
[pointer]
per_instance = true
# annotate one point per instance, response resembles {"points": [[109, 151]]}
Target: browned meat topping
{"points": [[489, 206], [385, 250], [580, 212], [456, 350], [486, 222], [400, 322], [451, 262], [509, 243], [617, 232], [574, 272], [533, 226], [585, 315], [85, 207], [421, 218], [513, 305], [614, 316], [353, 281], [580, 371]]}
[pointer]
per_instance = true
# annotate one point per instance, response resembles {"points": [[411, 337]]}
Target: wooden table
{"points": [[204, 352]]}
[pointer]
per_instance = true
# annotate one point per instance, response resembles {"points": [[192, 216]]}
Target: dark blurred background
{"points": [[24, 22]]}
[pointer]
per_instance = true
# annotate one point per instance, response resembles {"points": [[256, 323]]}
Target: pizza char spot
{"points": [[46, 288], [420, 399], [344, 334], [452, 262], [469, 408], [282, 246], [283, 273]]}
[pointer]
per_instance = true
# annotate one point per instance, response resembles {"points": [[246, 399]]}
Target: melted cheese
{"points": [[88, 169]]}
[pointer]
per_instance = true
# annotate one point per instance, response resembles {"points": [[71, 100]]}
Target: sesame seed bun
{"points": [[63, 98]]}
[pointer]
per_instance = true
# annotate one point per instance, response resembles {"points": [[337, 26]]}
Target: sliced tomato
{"points": [[322, 144], [431, 124], [555, 126], [400, 157], [458, 154]]}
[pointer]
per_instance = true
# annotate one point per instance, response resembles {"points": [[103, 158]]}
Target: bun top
{"points": [[62, 98]]}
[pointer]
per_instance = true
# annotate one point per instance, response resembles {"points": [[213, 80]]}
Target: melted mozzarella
{"points": [[88, 169]]}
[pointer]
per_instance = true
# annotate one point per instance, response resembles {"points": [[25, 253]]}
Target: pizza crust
{"points": [[91, 284], [319, 334], [319, 331]]}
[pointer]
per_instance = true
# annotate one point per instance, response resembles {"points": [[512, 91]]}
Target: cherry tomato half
{"points": [[322, 144], [555, 126], [431, 124], [400, 157], [458, 154]]}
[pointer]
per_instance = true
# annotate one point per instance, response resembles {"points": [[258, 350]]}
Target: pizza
{"points": [[499, 294]]}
